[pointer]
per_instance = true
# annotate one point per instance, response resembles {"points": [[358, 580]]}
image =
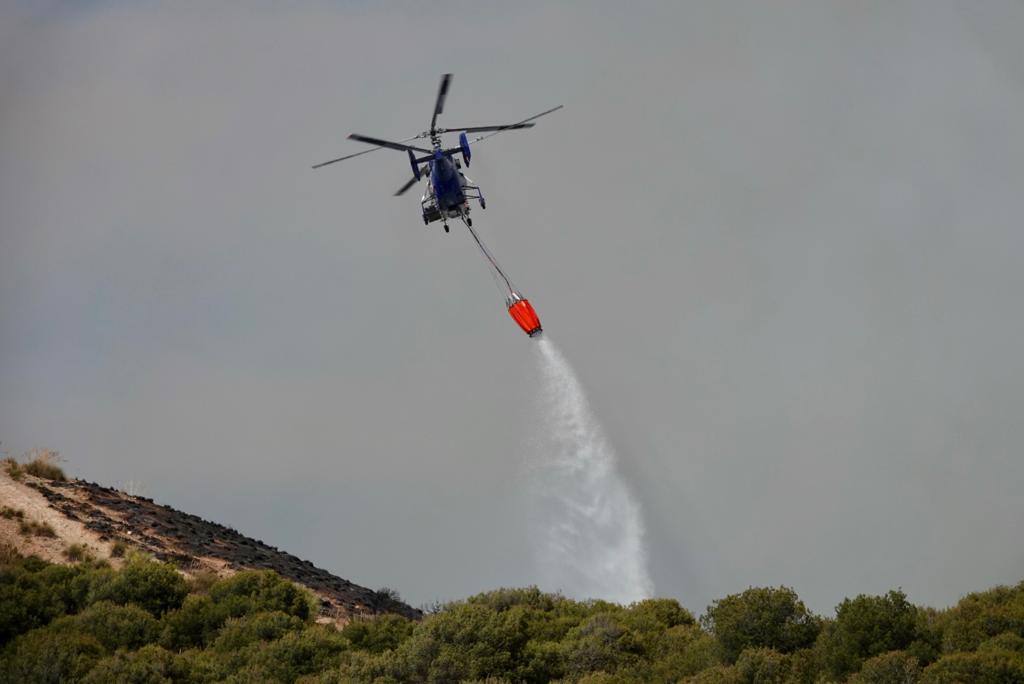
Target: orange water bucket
{"points": [[523, 314]]}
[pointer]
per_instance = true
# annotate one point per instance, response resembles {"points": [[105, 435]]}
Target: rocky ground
{"points": [[98, 517]]}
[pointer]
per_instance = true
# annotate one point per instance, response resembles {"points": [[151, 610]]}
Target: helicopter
{"points": [[448, 189]]}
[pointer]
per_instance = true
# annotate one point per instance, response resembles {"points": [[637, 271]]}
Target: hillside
{"points": [[104, 522], [77, 605]]}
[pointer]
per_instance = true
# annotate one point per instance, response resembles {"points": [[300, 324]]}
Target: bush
{"points": [[32, 528], [238, 633], [194, 624], [379, 634], [1007, 641], [201, 616], [465, 641], [601, 643], [895, 667], [297, 653], [195, 665], [114, 627], [46, 656], [761, 617], [118, 549], [683, 651], [262, 590], [13, 469], [202, 581], [12, 513], [984, 667], [156, 587], [762, 665], [657, 614], [867, 626], [982, 615], [149, 665], [718, 674], [9, 554], [77, 552], [503, 599], [42, 463], [32, 593]]}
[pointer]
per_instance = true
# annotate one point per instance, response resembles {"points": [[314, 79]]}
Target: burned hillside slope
{"points": [[107, 521]]}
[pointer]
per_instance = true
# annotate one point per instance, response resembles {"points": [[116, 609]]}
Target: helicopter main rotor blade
{"points": [[349, 156], [442, 94], [357, 154], [408, 184], [386, 143], [517, 125], [480, 129]]}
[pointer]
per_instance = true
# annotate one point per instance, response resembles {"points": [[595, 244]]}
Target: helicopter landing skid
{"points": [[474, 192]]}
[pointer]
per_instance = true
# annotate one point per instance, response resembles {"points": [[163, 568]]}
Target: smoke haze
{"points": [[780, 241]]}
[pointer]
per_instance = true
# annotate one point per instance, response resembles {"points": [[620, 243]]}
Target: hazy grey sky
{"points": [[780, 242]]}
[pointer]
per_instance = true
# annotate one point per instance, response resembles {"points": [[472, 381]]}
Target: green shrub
{"points": [[202, 581], [113, 626], [378, 634], [503, 599], [148, 665], [118, 549], [33, 592], [257, 627], [982, 615], [47, 656], [465, 641], [682, 651], [201, 616], [1007, 641], [867, 626], [263, 590], [658, 613], [602, 642], [719, 674], [804, 667], [895, 667], [296, 653], [156, 587], [762, 665], [981, 667], [763, 617], [927, 643], [195, 665]]}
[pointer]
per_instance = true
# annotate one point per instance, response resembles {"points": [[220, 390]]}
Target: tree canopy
{"points": [[146, 623]]}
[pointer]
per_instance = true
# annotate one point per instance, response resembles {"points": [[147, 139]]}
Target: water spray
{"points": [[589, 527]]}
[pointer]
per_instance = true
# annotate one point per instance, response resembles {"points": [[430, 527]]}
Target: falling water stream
{"points": [[587, 525], [589, 529]]}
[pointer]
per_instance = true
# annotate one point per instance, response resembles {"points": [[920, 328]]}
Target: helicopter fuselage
{"points": [[448, 191], [447, 182]]}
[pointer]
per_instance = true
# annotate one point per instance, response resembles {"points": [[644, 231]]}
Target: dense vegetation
{"points": [[146, 623]]}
